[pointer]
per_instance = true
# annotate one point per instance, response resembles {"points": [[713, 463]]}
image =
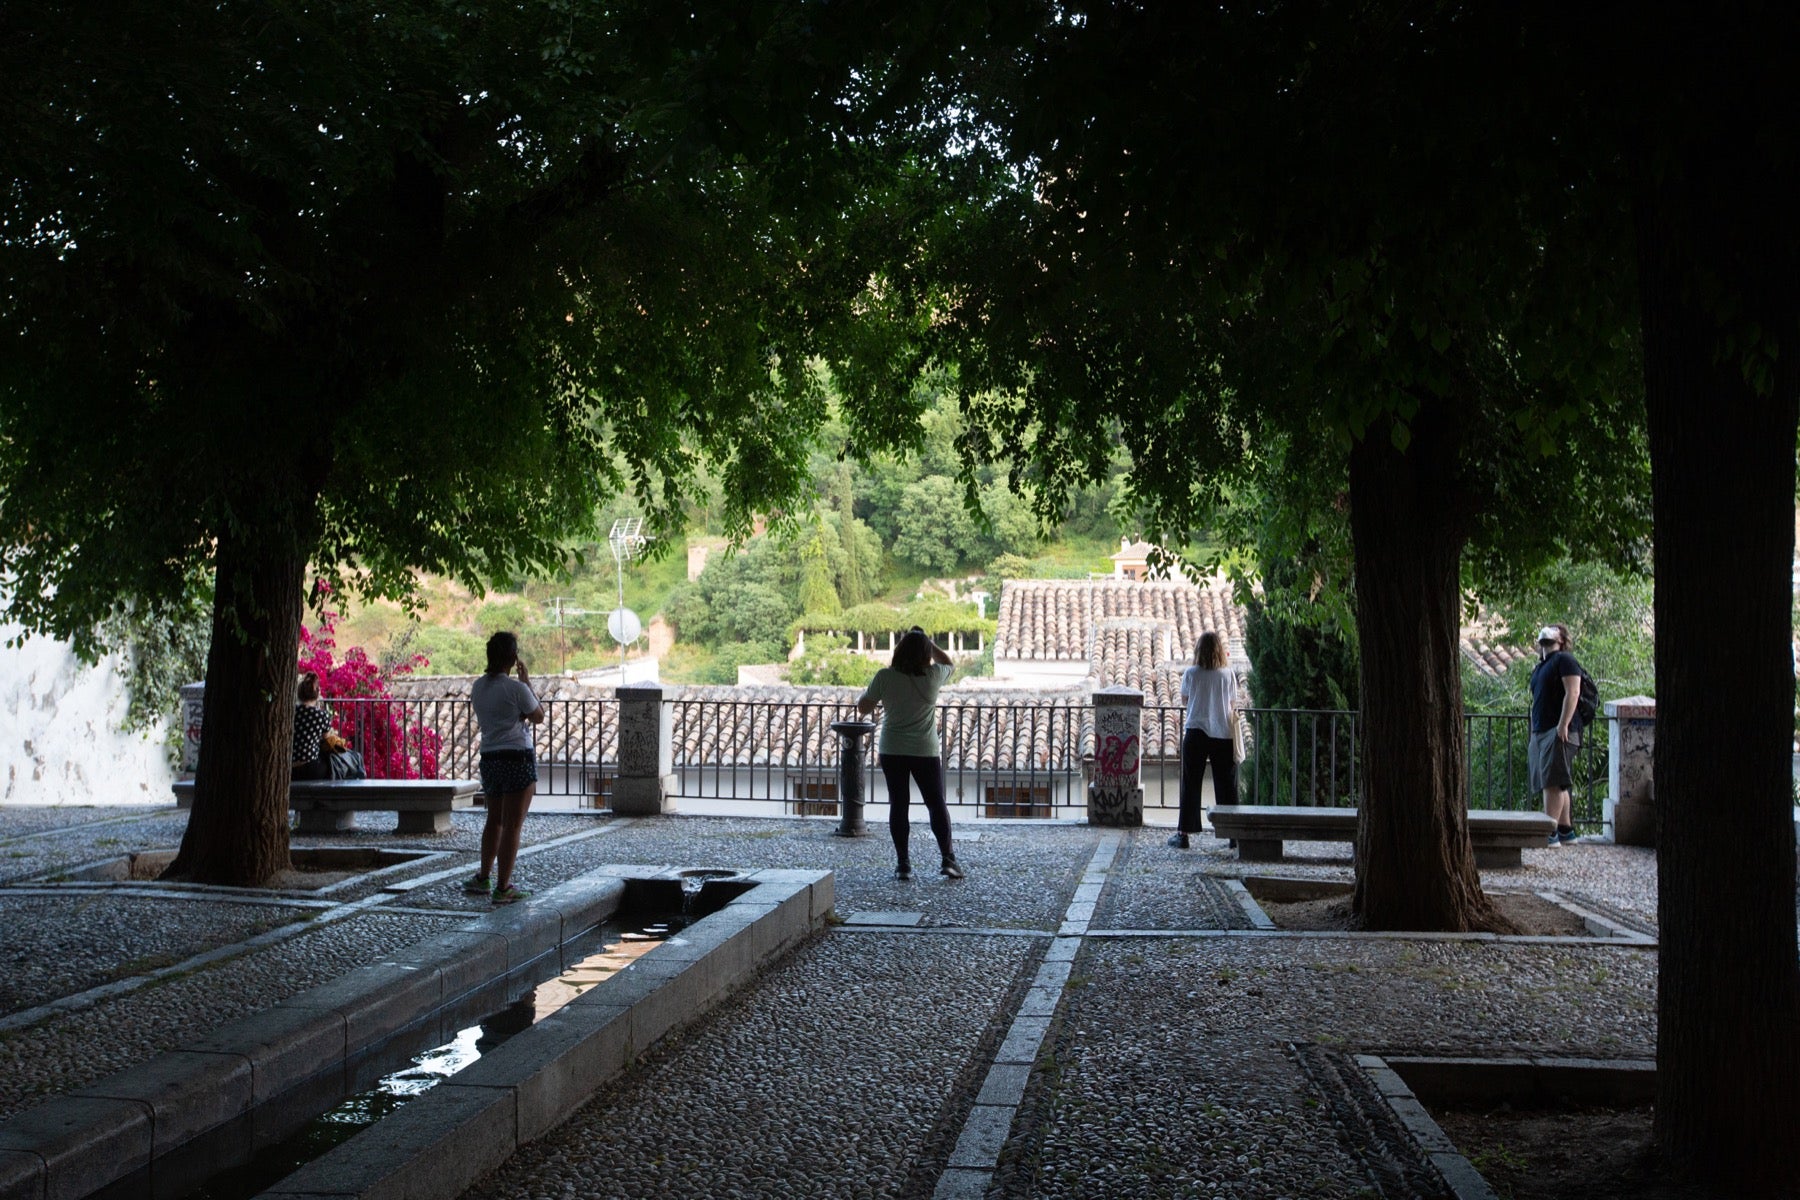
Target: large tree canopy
{"points": [[415, 286], [1241, 239]]}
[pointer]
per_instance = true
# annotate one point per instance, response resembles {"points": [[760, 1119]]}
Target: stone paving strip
{"points": [[971, 1166], [24, 822], [51, 942], [1171, 1070], [842, 1072]]}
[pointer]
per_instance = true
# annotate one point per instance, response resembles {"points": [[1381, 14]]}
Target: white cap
{"points": [[1550, 633]]}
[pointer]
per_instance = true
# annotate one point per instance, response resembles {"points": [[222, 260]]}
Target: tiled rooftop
{"points": [[1054, 620]]}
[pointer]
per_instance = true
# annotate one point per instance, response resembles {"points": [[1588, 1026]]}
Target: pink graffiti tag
{"points": [[1118, 755]]}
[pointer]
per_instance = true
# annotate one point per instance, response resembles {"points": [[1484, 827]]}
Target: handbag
{"points": [[343, 764], [1240, 736]]}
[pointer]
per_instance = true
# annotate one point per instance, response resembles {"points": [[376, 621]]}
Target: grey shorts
{"points": [[507, 771], [1552, 761]]}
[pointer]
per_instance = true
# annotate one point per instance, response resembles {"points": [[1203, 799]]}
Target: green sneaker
{"points": [[481, 885], [508, 895]]}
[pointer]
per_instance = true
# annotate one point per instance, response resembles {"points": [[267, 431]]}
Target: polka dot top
{"points": [[310, 725]]}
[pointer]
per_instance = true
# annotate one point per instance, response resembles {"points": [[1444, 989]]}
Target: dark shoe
{"points": [[952, 868], [1178, 840], [509, 895], [481, 885], [1565, 836], [903, 873], [1554, 842]]}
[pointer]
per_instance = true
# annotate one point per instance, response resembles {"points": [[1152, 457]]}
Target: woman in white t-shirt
{"points": [[506, 709], [1209, 690]]}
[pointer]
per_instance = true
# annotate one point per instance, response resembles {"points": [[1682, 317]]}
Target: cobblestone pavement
{"points": [[1087, 1014]]}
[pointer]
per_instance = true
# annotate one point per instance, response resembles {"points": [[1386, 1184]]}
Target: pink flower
{"points": [[394, 742]]}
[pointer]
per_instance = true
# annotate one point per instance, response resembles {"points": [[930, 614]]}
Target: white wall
{"points": [[59, 732], [1043, 672]]}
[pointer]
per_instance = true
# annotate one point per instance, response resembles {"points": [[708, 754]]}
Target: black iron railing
{"points": [[1000, 760], [1313, 757]]}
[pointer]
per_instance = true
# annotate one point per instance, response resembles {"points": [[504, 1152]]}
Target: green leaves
{"points": [[452, 274]]}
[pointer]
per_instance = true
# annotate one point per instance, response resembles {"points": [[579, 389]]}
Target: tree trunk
{"points": [[1415, 867], [1722, 469], [237, 832]]}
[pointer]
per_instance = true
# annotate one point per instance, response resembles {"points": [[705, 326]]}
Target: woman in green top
{"points": [[908, 692]]}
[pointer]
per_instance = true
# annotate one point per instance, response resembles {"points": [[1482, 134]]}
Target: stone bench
{"points": [[331, 805], [1499, 836]]}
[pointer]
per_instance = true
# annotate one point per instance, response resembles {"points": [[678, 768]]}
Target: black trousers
{"points": [[1197, 750], [928, 773]]}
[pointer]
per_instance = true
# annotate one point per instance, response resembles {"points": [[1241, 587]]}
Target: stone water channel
{"points": [[599, 954], [874, 1059]]}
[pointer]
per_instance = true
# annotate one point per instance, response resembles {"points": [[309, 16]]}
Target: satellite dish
{"points": [[624, 626]]}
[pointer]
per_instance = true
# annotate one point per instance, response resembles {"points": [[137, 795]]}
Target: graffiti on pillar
{"points": [[1637, 750], [1116, 746], [193, 706], [1114, 797], [1117, 758], [1115, 805], [637, 752]]}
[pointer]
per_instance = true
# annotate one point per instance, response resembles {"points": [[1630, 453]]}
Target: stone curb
{"points": [[1519, 1081], [442, 1143], [1460, 1177], [78, 1143]]}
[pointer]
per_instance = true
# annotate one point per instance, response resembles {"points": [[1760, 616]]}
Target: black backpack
{"points": [[1589, 702]]}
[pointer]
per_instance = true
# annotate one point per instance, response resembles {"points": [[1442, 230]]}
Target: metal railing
{"points": [[1313, 757], [439, 739], [1024, 759], [757, 749], [1016, 760]]}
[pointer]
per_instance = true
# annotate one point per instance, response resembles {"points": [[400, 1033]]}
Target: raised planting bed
{"points": [[317, 870], [1279, 902], [1526, 1128]]}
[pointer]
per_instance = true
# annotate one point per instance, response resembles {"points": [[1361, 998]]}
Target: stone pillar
{"points": [[1631, 750], [645, 784], [193, 709], [1116, 793]]}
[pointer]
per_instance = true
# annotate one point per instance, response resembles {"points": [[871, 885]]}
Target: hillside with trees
{"points": [[882, 545]]}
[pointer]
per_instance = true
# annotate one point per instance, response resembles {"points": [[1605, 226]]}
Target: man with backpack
{"points": [[1563, 699]]}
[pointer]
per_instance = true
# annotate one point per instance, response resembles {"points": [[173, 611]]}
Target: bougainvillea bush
{"points": [[394, 742]]}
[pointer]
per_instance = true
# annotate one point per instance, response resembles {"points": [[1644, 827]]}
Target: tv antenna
{"points": [[626, 541], [561, 607]]}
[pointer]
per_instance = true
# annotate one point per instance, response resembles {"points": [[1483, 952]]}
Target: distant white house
{"points": [[1133, 559]]}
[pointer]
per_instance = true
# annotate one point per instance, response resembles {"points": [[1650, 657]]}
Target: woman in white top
{"points": [[1209, 690], [506, 709]]}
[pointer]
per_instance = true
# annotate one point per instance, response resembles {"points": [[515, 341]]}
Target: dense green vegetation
{"points": [[1609, 620]]}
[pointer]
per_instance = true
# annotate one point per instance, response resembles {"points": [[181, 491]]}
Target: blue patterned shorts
{"points": [[505, 772]]}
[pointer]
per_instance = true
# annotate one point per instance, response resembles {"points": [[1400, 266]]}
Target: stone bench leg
{"points": [[321, 820], [1259, 849], [431, 821], [1499, 856]]}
